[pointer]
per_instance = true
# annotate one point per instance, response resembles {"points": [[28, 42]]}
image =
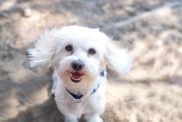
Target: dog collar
{"points": [[75, 96], [78, 97]]}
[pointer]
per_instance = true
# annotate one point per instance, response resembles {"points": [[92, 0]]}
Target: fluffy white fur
{"points": [[50, 50]]}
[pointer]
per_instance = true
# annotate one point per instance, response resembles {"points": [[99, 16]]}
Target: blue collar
{"points": [[78, 96], [75, 96]]}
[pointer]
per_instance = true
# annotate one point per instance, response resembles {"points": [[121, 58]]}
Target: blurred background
{"points": [[150, 29]]}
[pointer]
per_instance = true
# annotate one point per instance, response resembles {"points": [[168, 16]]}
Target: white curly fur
{"points": [[50, 50]]}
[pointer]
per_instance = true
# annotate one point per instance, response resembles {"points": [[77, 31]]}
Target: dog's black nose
{"points": [[77, 65]]}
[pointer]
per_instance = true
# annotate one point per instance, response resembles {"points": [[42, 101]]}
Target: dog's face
{"points": [[78, 54], [79, 57]]}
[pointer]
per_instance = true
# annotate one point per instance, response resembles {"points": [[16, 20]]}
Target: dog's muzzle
{"points": [[77, 66]]}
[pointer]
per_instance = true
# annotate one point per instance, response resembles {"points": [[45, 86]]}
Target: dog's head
{"points": [[78, 54]]}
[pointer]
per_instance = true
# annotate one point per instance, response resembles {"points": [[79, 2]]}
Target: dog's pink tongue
{"points": [[76, 75]]}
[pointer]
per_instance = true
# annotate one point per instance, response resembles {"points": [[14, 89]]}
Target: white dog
{"points": [[79, 56]]}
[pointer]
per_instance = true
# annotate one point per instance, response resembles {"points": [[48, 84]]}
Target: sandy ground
{"points": [[152, 30]]}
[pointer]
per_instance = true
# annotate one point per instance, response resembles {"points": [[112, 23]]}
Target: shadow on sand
{"points": [[45, 112]]}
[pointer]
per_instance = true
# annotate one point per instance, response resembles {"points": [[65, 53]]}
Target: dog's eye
{"points": [[91, 51], [69, 48]]}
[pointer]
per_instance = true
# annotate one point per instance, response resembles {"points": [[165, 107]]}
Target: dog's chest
{"points": [[66, 104]]}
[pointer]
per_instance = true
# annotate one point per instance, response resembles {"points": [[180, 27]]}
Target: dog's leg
{"points": [[70, 119], [94, 118]]}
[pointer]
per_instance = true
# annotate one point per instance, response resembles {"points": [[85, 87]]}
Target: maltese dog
{"points": [[79, 57]]}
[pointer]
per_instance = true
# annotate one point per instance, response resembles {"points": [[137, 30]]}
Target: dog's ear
{"points": [[118, 59], [44, 48]]}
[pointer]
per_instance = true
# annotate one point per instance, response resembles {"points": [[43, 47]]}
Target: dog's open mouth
{"points": [[76, 76]]}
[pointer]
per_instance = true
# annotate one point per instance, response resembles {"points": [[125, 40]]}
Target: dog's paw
{"points": [[94, 119], [71, 119]]}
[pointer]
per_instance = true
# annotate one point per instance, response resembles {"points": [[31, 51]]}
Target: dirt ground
{"points": [[150, 29]]}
